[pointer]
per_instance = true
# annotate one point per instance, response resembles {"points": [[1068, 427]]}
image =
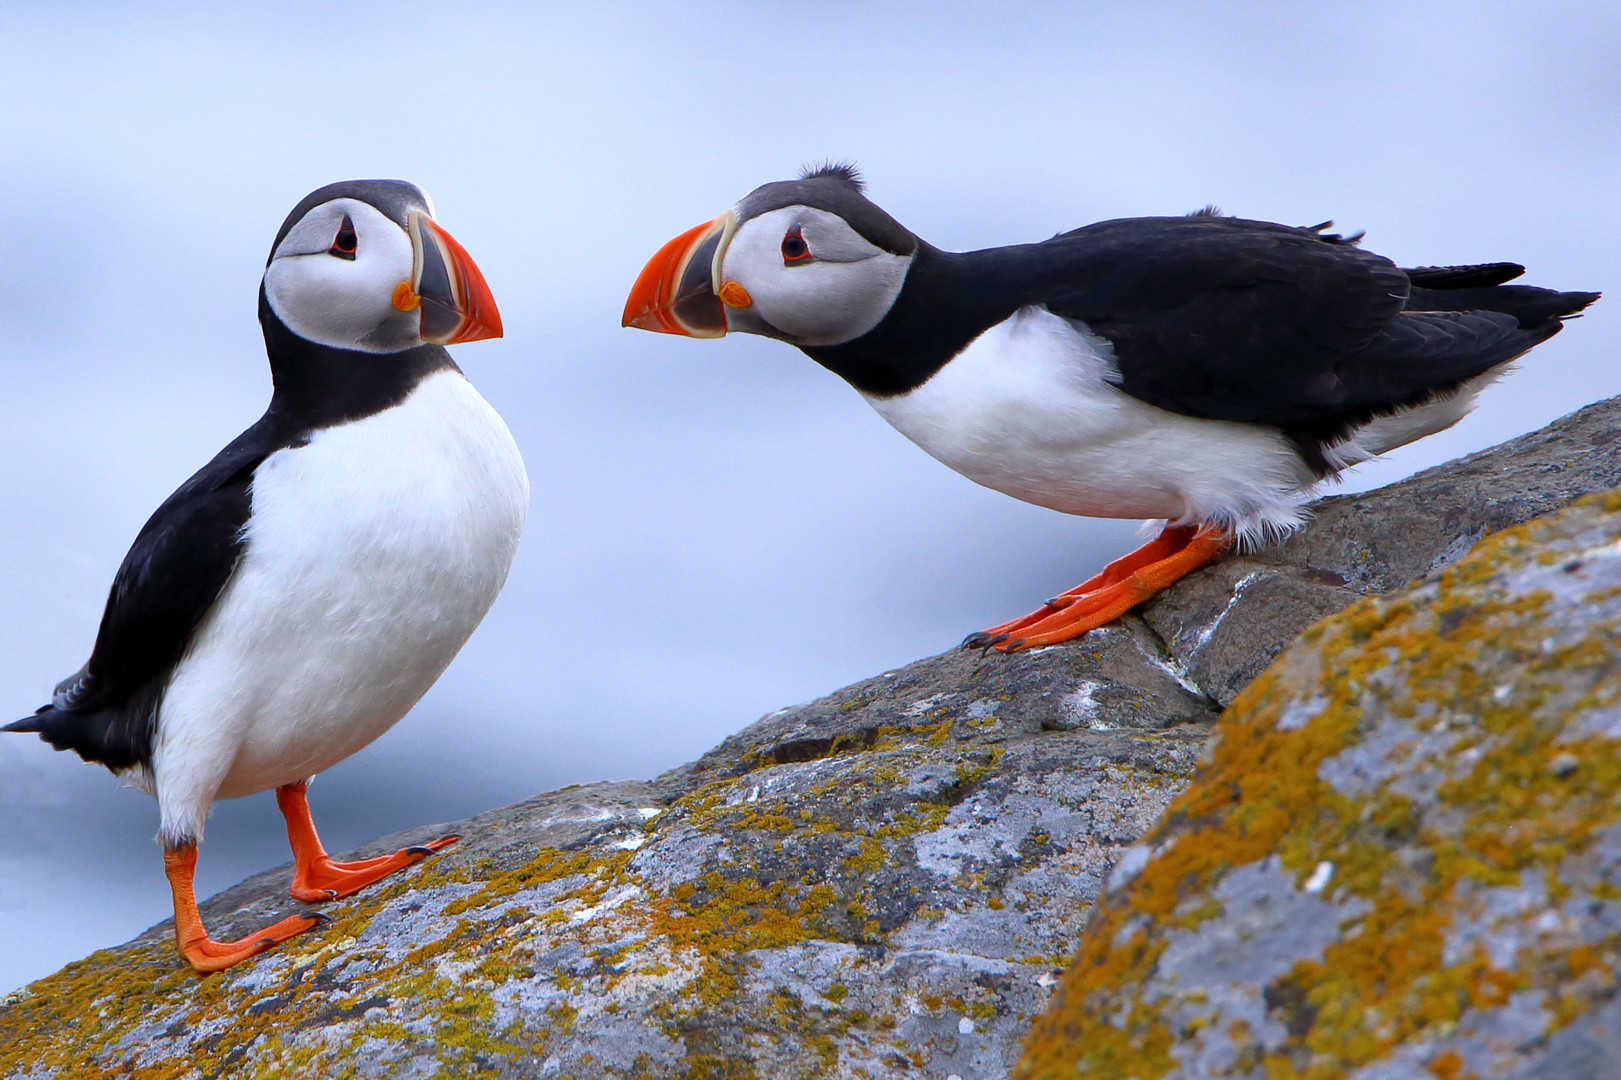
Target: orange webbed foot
{"points": [[321, 878], [191, 939], [316, 876], [1123, 584], [207, 955]]}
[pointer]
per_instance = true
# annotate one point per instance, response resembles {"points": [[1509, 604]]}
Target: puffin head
{"points": [[362, 265], [811, 262]]}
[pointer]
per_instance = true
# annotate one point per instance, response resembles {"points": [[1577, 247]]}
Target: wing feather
{"points": [[177, 567], [1230, 319]]}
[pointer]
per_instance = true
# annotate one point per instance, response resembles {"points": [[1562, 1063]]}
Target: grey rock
{"points": [[1401, 860], [1225, 624], [885, 882]]}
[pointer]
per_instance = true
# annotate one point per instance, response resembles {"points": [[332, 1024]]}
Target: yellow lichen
{"points": [[1444, 651]]}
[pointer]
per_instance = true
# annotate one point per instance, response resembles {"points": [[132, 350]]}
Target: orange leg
{"points": [[202, 952], [1123, 584], [317, 877]]}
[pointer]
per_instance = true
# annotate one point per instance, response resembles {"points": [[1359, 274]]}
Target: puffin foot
{"points": [[1121, 586], [322, 878], [203, 953], [316, 877]]}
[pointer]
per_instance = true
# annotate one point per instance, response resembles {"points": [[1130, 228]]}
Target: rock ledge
{"points": [[886, 882]]}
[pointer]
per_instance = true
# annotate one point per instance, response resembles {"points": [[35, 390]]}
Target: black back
{"points": [[185, 554], [1223, 318]]}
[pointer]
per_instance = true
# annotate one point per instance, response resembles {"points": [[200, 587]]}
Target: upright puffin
{"points": [[1204, 370], [293, 599]]}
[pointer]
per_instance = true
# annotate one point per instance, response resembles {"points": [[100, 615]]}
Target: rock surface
{"points": [[1225, 624], [884, 883], [1404, 857]]}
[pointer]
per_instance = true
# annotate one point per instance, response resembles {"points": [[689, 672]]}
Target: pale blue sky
{"points": [[718, 529]]}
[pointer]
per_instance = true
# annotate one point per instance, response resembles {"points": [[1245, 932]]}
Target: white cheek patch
{"points": [[829, 303], [844, 291], [343, 303]]}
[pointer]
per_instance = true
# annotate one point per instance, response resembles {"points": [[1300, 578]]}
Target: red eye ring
{"points": [[795, 252], [345, 243]]}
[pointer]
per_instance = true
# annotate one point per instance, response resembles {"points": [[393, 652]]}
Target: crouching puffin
{"points": [[294, 598], [1204, 370]]}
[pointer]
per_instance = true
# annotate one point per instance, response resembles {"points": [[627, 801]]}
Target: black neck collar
{"points": [[317, 386], [947, 301]]}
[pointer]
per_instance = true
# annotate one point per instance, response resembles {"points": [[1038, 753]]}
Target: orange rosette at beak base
{"points": [[675, 292], [456, 301]]}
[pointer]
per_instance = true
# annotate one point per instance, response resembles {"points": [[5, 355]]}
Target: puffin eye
{"points": [[343, 246], [795, 252]]}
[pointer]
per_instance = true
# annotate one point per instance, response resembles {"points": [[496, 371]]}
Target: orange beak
{"points": [[456, 301], [676, 291]]}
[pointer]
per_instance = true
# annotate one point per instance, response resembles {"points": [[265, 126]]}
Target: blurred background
{"points": [[718, 528]]}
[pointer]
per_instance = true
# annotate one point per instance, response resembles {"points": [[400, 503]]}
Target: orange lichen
{"points": [[1520, 794]]}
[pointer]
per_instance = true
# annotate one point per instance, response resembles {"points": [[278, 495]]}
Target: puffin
{"points": [[295, 597], [1203, 372]]}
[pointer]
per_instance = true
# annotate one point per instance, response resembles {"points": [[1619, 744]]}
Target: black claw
{"points": [[983, 641], [333, 893], [318, 916], [424, 849], [1013, 646]]}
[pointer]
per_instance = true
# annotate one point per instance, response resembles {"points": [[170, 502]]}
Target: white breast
{"points": [[371, 555], [1028, 409]]}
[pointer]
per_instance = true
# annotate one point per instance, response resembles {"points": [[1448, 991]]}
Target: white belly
{"points": [[371, 555], [1027, 409]]}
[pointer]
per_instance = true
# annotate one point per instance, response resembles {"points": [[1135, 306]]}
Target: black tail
{"points": [[85, 733], [1459, 322], [36, 722], [1481, 288], [1463, 277]]}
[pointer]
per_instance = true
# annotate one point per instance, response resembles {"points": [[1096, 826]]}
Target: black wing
{"points": [[1230, 319], [175, 570]]}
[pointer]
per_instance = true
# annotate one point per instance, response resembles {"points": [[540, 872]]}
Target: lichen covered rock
{"points": [[1224, 625], [1404, 856], [889, 881], [884, 880]]}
